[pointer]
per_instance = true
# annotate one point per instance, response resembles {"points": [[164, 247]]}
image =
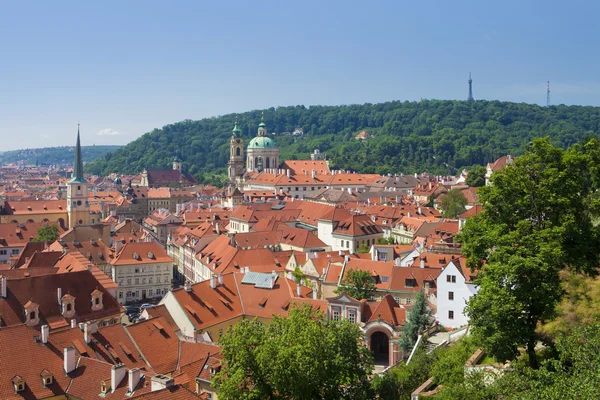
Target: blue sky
{"points": [[122, 68]]}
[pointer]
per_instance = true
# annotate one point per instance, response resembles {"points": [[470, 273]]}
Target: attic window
{"points": [[104, 387], [150, 254], [47, 377], [410, 282], [158, 326], [285, 305], [125, 349], [18, 383], [136, 256], [262, 302], [190, 310]]}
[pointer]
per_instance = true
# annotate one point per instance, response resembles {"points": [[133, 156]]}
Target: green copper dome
{"points": [[261, 142]]}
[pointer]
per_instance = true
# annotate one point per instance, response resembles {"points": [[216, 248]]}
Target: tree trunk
{"points": [[533, 360]]}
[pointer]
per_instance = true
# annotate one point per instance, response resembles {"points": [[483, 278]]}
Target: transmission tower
{"points": [[548, 95]]}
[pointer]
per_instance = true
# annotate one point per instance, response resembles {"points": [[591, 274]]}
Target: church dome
{"points": [[261, 142]]}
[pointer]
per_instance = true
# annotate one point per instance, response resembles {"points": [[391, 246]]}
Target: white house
{"points": [[455, 287]]}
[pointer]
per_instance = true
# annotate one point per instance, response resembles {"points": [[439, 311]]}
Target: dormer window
{"points": [[47, 377], [32, 316], [18, 383], [68, 306], [104, 387]]}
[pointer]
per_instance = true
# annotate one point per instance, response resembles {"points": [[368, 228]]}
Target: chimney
{"points": [[288, 173], [45, 333], [315, 292], [341, 252], [313, 173], [213, 282], [117, 373], [422, 262], [69, 359], [299, 290], [3, 287], [218, 229], [161, 382], [134, 378], [346, 259], [187, 286], [220, 278], [89, 328], [419, 211], [59, 296]]}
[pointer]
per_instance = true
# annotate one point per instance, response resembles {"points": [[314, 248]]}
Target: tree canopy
{"points": [[437, 136], [476, 176], [358, 284], [47, 233], [453, 203], [416, 321], [536, 220], [303, 356]]}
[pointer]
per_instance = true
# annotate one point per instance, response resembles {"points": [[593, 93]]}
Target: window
{"points": [[352, 316], [450, 295], [78, 187], [32, 316], [408, 300], [15, 252], [336, 314], [220, 332], [397, 299], [143, 281], [371, 298], [451, 278], [137, 293], [137, 281], [149, 292], [69, 307], [450, 314], [150, 280], [3, 252], [128, 281], [120, 295], [97, 300], [410, 282]]}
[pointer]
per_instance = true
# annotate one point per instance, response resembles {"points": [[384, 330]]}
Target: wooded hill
{"points": [[437, 136], [62, 156]]}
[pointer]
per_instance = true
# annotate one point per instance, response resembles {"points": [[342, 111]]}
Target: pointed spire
{"points": [[78, 166]]}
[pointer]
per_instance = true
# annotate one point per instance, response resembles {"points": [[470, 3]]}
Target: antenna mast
{"points": [[548, 95]]}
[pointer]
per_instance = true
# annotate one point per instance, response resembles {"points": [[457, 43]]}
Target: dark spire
{"points": [[470, 98], [78, 166]]}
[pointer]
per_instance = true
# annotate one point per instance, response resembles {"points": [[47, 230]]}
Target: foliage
{"points": [[437, 136], [47, 233], [476, 176], [363, 249], [55, 155], [303, 356], [536, 219], [579, 306], [297, 274], [389, 240], [416, 321], [401, 380], [450, 366], [358, 284], [453, 203]]}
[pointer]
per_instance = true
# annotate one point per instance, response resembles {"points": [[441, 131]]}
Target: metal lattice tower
{"points": [[470, 98], [548, 95]]}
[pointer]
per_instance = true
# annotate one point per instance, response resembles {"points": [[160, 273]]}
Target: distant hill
{"points": [[62, 156], [436, 136]]}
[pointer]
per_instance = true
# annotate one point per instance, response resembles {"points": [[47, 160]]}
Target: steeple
{"points": [[78, 166], [236, 129], [262, 130], [470, 98]]}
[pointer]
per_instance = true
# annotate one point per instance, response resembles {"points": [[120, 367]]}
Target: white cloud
{"points": [[108, 132]]}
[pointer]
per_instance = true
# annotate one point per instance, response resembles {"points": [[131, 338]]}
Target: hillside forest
{"points": [[437, 136]]}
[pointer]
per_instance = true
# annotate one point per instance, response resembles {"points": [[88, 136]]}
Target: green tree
{"points": [[389, 240], [535, 221], [297, 274], [363, 249], [303, 356], [453, 203], [47, 233], [416, 321], [358, 284], [476, 176]]}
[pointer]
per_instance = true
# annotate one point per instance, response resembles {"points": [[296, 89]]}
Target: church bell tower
{"points": [[78, 207], [236, 156]]}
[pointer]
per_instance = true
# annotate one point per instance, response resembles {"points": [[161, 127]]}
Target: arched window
{"points": [[69, 307], [32, 315], [238, 151]]}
